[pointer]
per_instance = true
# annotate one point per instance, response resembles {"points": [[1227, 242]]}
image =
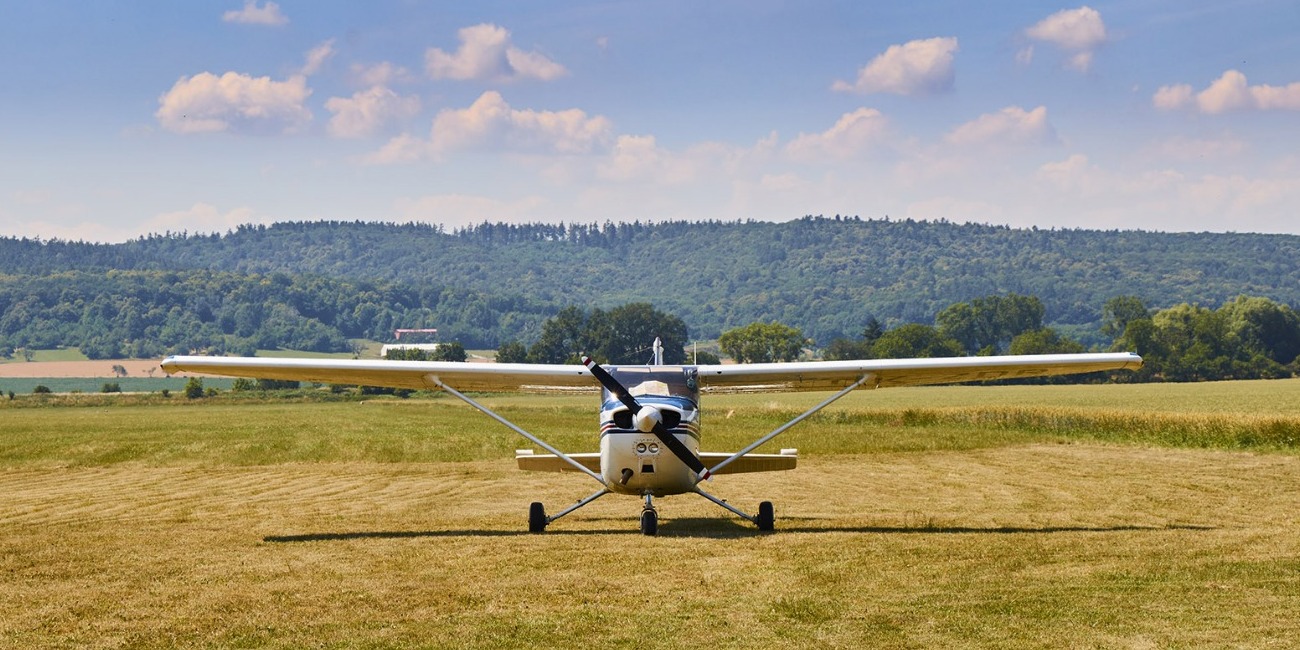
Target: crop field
{"points": [[1017, 516]]}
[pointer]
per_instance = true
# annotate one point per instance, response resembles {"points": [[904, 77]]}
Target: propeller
{"points": [[646, 418]]}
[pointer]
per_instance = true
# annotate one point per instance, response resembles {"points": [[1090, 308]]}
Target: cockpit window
{"points": [[658, 381]]}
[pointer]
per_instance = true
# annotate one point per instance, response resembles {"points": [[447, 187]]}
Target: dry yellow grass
{"points": [[1041, 545]]}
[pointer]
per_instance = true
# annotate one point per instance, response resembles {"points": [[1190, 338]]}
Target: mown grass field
{"points": [[1088, 516]]}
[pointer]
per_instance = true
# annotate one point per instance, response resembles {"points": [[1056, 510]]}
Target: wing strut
{"points": [[781, 429], [537, 441]]}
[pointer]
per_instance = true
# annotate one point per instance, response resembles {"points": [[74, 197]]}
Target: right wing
{"points": [[415, 375]]}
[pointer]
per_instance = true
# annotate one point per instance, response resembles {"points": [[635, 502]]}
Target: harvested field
{"points": [[125, 526]]}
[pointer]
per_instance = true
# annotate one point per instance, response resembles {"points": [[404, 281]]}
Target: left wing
{"points": [[416, 375]]}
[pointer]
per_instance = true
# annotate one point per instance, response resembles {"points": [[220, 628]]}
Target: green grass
{"points": [[24, 385], [61, 354], [1001, 517]]}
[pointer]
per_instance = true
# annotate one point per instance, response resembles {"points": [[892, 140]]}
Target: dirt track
{"points": [[134, 368]]}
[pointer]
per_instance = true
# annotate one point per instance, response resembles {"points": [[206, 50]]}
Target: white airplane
{"points": [[650, 415]]}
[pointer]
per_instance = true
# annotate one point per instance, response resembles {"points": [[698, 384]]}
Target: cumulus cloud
{"points": [[1230, 92], [914, 68], [486, 54], [851, 135], [490, 123], [1078, 32], [1011, 125], [367, 112], [207, 103], [251, 14]]}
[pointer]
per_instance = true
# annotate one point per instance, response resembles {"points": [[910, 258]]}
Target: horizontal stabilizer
{"points": [[531, 462]]}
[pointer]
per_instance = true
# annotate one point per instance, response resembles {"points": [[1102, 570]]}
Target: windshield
{"points": [[657, 381]]}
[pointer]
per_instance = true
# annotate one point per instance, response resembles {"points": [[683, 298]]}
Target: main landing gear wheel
{"points": [[649, 522], [536, 517], [766, 519]]}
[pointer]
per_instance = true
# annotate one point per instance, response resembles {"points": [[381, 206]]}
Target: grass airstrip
{"points": [[1019, 516]]}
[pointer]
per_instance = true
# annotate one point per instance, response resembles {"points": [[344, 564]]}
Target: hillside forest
{"points": [[1196, 306]]}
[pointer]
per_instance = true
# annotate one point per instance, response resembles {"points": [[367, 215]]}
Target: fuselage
{"points": [[632, 458]]}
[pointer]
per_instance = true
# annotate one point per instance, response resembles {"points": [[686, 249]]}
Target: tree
{"points": [[762, 343], [452, 351], [512, 352], [986, 325], [194, 388], [915, 340], [1119, 311], [621, 335], [119, 370], [1044, 340]]}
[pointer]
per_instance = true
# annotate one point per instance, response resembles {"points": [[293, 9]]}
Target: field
{"points": [[1037, 517]]}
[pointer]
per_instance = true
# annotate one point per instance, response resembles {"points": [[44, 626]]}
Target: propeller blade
{"points": [[667, 438]]}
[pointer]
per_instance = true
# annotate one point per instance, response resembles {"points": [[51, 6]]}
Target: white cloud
{"points": [[913, 68], [1011, 125], [369, 111], [851, 135], [380, 74], [1169, 98], [491, 123], [485, 54], [317, 56], [233, 101], [251, 14], [1077, 31], [1230, 92]]}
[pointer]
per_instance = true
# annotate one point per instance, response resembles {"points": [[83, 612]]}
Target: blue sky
{"points": [[119, 119]]}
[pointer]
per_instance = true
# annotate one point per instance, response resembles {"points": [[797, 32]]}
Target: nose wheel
{"points": [[649, 518]]}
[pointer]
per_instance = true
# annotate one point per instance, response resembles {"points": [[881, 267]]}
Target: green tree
{"points": [[915, 340], [762, 343], [1044, 340], [512, 352], [452, 351], [987, 325], [1119, 311], [194, 388]]}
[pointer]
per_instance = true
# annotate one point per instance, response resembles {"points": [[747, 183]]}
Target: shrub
{"points": [[111, 387], [41, 389], [194, 388]]}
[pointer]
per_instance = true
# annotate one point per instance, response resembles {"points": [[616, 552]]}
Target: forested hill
{"points": [[827, 276]]}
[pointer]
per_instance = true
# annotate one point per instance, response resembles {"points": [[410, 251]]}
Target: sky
{"points": [[120, 119]]}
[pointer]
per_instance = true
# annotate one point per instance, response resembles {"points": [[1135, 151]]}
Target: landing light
{"points": [[640, 447], [654, 447]]}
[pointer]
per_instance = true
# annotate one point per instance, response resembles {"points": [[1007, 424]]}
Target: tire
{"points": [[766, 519], [536, 517], [649, 522]]}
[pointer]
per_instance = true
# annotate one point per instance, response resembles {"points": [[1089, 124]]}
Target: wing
{"points": [[416, 375], [831, 375]]}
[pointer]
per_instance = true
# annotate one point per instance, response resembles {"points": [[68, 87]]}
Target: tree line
{"points": [[826, 276]]}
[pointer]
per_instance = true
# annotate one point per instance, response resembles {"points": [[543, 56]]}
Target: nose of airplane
{"points": [[647, 418]]}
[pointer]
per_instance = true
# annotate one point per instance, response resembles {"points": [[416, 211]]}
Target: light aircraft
{"points": [[650, 414]]}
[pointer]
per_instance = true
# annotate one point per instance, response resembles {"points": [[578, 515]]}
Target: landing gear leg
{"points": [[765, 519], [537, 519], [649, 518]]}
